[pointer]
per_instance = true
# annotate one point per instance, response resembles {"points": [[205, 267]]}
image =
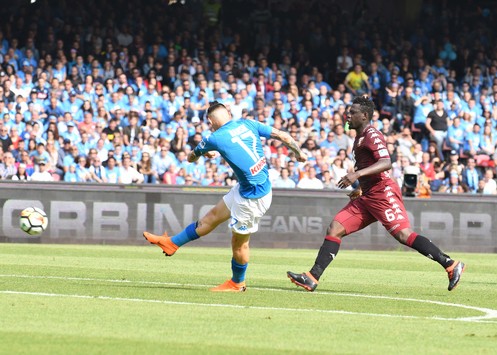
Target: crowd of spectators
{"points": [[116, 91]]}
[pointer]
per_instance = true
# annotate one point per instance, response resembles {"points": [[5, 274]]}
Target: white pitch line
{"points": [[488, 312], [222, 305]]}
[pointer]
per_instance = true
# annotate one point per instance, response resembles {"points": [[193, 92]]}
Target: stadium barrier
{"points": [[117, 214]]}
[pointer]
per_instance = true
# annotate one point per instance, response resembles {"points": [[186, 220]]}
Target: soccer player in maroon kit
{"points": [[378, 198]]}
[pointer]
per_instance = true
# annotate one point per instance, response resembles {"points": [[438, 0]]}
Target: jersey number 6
{"points": [[390, 215]]}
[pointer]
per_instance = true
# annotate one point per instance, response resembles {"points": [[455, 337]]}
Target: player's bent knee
{"points": [[403, 235], [336, 229]]}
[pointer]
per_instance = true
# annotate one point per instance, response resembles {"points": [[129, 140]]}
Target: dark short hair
{"points": [[366, 105]]}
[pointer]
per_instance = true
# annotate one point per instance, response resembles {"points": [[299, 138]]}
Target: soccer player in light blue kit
{"points": [[239, 143]]}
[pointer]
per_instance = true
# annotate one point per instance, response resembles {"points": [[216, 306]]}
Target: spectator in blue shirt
{"points": [[40, 154], [72, 133], [70, 175], [456, 134], [471, 175], [472, 140], [423, 107]]}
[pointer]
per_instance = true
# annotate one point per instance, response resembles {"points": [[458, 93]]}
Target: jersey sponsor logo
{"points": [[257, 167], [395, 205], [389, 193], [383, 152], [392, 200]]}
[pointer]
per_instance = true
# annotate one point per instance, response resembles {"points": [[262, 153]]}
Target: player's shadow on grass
{"points": [[299, 289]]}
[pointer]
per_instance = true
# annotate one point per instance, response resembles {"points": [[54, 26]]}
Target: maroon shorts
{"points": [[383, 203]]}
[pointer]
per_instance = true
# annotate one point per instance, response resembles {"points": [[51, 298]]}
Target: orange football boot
{"points": [[230, 286], [163, 241]]}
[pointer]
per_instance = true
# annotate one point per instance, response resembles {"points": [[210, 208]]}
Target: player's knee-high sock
{"points": [[238, 271], [186, 235], [424, 246], [327, 253]]}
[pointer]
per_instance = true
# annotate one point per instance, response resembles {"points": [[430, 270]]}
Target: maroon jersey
{"points": [[370, 147], [381, 198]]}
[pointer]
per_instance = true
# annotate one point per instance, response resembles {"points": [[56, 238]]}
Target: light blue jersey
{"points": [[239, 143]]}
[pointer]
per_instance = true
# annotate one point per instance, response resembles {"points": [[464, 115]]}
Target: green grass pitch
{"points": [[93, 299]]}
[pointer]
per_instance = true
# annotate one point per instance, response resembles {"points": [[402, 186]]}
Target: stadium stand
{"points": [[86, 85]]}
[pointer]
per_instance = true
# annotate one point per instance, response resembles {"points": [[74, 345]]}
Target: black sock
{"points": [[424, 246], [327, 253]]}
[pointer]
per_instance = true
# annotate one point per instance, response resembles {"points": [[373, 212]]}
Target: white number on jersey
{"points": [[251, 151], [390, 215]]}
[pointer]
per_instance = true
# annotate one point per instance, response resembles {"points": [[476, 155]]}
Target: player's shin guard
{"points": [[238, 271], [424, 246], [186, 235], [327, 253]]}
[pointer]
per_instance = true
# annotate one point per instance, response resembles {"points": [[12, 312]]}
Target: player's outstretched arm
{"points": [[290, 143], [192, 157]]}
